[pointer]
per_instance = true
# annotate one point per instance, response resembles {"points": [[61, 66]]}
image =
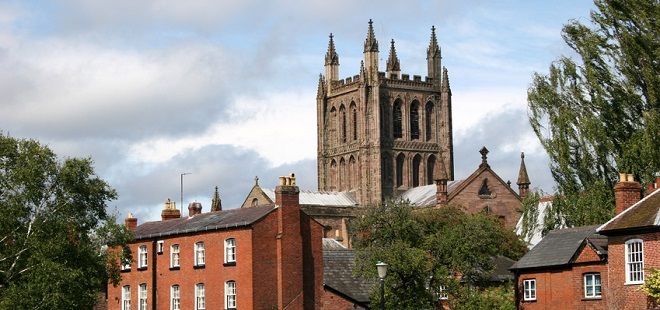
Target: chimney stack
{"points": [[130, 222], [194, 208], [653, 186], [170, 211], [289, 244], [626, 192]]}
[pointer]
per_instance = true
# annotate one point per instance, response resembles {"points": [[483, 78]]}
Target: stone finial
{"points": [[216, 203], [363, 72], [331, 57], [393, 64], [370, 44], [445, 81], [320, 89], [484, 156], [434, 49]]}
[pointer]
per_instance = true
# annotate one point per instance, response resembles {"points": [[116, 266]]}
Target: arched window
{"points": [[417, 160], [230, 295], [429, 120], [430, 166], [355, 124], [396, 119], [255, 202], [342, 115], [352, 171], [332, 125], [342, 174], [414, 120], [333, 175], [399, 169], [175, 297]]}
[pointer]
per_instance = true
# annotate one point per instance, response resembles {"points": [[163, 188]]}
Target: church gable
{"points": [[256, 197]]}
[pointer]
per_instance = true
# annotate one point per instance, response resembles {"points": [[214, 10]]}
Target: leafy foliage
{"points": [[494, 298], [428, 248], [599, 114], [652, 284], [53, 224]]}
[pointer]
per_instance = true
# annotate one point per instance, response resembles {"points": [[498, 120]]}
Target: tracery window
{"points": [[417, 160], [414, 120], [429, 121], [430, 166], [396, 120], [399, 169]]}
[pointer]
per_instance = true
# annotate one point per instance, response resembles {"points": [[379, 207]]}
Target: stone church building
{"points": [[380, 133]]}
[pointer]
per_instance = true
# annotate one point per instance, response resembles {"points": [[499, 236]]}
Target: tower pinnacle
{"points": [[434, 49], [371, 44], [393, 64], [331, 57], [523, 178], [216, 203], [445, 81]]}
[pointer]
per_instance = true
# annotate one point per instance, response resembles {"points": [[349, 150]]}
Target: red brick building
{"points": [[267, 257], [634, 243], [596, 267]]}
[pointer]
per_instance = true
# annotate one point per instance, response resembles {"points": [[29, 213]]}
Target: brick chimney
{"points": [[170, 211], [289, 244], [130, 222], [653, 186], [626, 192], [194, 208]]}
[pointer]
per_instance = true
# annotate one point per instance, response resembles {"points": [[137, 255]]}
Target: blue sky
{"points": [[226, 89]]}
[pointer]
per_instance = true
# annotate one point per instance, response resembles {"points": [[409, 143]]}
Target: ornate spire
{"points": [[393, 60], [523, 178], [484, 157], [320, 93], [363, 72], [434, 49], [216, 203], [445, 80], [371, 44], [331, 57]]}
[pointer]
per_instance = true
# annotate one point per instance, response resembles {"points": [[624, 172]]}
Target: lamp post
{"points": [[382, 272]]}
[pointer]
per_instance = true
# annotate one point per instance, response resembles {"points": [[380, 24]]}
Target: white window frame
{"points": [[230, 250], [126, 297], [175, 297], [442, 293], [143, 256], [593, 285], [230, 295], [529, 289], [200, 257], [200, 297], [634, 254], [160, 247], [175, 255], [142, 296]]}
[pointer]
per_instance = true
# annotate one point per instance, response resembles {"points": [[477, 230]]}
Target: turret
{"points": [[433, 59], [393, 65], [523, 178], [331, 63], [371, 55]]}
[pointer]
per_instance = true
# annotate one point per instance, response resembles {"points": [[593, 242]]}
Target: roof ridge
{"points": [[635, 205]]}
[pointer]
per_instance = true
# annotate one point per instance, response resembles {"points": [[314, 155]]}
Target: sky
{"points": [[226, 90]]}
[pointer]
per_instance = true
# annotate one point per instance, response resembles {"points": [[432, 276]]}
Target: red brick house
{"points": [[267, 257], [634, 243]]}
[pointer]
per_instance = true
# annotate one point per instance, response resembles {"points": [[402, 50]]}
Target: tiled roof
{"points": [[335, 199], [423, 196], [558, 248], [338, 265], [202, 222], [643, 214]]}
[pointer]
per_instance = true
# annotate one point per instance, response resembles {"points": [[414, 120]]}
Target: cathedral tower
{"points": [[380, 133]]}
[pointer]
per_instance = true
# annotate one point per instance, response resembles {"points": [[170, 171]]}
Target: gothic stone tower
{"points": [[380, 133]]}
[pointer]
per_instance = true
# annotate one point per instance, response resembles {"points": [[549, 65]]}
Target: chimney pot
{"points": [[194, 208], [170, 211]]}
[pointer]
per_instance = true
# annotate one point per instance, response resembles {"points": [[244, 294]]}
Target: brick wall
{"points": [[624, 296], [332, 301], [213, 275]]}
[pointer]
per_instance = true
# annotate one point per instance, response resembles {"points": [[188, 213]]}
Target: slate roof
{"points": [[338, 265], [202, 222], [643, 214], [558, 248], [335, 199], [423, 196]]}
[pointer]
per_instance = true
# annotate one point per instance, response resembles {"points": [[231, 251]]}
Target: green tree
{"points": [[53, 225], [428, 248], [598, 114]]}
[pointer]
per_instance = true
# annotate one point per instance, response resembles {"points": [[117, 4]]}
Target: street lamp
{"points": [[382, 272]]}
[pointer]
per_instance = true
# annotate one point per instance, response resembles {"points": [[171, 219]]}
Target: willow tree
{"points": [[596, 113]]}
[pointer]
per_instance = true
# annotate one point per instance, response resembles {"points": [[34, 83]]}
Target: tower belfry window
{"points": [[429, 121], [417, 160], [342, 111], [399, 169], [414, 121], [354, 124], [396, 117]]}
